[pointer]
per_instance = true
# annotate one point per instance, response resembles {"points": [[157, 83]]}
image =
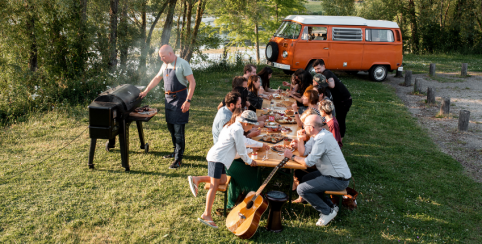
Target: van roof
{"points": [[340, 20]]}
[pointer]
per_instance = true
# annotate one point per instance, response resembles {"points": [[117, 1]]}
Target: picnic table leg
{"points": [[291, 189]]}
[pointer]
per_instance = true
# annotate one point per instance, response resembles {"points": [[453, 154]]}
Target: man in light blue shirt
{"points": [[233, 101], [333, 173]]}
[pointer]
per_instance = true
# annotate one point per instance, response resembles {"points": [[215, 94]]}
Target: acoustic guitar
{"points": [[243, 220]]}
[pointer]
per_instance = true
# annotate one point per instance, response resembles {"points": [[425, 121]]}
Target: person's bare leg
{"points": [[210, 200], [198, 179]]}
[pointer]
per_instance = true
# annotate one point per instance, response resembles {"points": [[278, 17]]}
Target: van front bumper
{"points": [[278, 65]]}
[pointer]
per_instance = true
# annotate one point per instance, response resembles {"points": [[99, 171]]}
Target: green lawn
{"points": [[409, 190]]}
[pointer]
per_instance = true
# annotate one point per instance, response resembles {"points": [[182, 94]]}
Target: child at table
{"points": [[221, 156]]}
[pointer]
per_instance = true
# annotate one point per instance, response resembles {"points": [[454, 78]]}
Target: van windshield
{"points": [[288, 30]]}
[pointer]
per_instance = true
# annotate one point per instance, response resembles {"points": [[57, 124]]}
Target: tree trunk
{"points": [[413, 24], [32, 60], [142, 58], [178, 33], [124, 46], [432, 70], [148, 39], [113, 35], [187, 37], [445, 107], [257, 43], [166, 31], [408, 78], [199, 14], [183, 34], [464, 117], [430, 95]]}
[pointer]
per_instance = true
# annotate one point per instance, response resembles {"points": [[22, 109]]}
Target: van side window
{"points": [[347, 34], [377, 35], [314, 33]]}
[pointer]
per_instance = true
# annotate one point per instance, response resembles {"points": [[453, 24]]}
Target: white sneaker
{"points": [[336, 208], [325, 219]]}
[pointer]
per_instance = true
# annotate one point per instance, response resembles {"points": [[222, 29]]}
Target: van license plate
{"points": [[282, 66]]}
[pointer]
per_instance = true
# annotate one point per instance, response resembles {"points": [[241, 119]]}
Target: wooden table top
{"points": [[273, 157]]}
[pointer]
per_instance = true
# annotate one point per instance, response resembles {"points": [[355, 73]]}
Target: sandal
{"points": [[207, 222], [192, 186]]}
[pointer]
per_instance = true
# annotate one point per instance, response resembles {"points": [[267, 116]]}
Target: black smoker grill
{"points": [[109, 117]]}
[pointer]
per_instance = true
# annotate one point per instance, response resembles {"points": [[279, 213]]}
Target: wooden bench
{"points": [[222, 188], [339, 194]]}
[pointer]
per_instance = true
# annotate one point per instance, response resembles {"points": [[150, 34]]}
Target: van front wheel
{"points": [[378, 73]]}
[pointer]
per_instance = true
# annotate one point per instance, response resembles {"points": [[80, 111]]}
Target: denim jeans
{"points": [[177, 137], [313, 187]]}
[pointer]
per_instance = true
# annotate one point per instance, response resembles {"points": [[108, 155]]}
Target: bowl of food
{"points": [[271, 125]]}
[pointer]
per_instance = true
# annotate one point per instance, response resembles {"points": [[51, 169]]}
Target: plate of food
{"points": [[271, 125], [289, 112], [286, 120], [273, 138], [276, 96], [281, 148], [285, 130]]}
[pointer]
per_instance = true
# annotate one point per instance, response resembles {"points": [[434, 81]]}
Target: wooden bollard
{"points": [[430, 95], [445, 107], [417, 87], [464, 69], [432, 70], [408, 78], [464, 117]]}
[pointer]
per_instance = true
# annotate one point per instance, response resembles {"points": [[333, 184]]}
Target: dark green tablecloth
{"points": [[243, 179]]}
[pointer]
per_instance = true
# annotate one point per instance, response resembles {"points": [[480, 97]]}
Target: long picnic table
{"points": [[275, 158]]}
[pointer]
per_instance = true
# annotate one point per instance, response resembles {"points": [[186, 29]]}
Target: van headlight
{"points": [[285, 54]]}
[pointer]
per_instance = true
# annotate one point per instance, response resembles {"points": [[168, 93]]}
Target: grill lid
{"points": [[126, 94]]}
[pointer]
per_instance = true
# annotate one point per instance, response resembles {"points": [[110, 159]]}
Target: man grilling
{"points": [[176, 73]]}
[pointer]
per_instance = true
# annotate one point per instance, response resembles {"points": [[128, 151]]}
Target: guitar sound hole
{"points": [[249, 205]]}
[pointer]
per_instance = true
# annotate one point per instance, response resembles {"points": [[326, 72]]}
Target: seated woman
{"points": [[310, 99], [305, 80], [324, 94], [239, 84], [326, 107], [243, 177], [265, 75], [254, 100]]}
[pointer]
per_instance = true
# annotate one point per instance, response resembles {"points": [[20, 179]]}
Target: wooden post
{"points": [[432, 70], [464, 69], [464, 120], [430, 95], [417, 87], [408, 78], [445, 108]]}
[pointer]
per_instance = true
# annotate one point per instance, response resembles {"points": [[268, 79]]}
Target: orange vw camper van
{"points": [[345, 43]]}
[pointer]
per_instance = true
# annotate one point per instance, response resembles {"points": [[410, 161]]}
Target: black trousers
{"points": [[341, 111], [178, 141]]}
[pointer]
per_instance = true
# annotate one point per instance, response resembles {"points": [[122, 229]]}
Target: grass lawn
{"points": [[409, 190], [444, 63]]}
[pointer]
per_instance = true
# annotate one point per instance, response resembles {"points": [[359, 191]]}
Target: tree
{"points": [[339, 7]]}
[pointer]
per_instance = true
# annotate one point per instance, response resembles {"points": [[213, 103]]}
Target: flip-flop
{"points": [[192, 186], [207, 222]]}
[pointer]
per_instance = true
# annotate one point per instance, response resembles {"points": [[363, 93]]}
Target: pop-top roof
{"points": [[340, 20]]}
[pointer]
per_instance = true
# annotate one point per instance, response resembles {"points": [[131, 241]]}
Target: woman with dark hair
{"points": [[310, 100], [240, 85], [265, 74], [304, 79], [255, 101]]}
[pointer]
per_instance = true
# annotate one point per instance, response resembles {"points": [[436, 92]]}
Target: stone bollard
{"points": [[464, 117], [432, 70], [463, 73], [445, 107], [408, 78], [430, 95], [417, 87]]}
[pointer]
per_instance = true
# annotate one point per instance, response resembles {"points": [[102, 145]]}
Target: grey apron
{"points": [[174, 99]]}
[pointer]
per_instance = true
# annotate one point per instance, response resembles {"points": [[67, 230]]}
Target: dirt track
{"points": [[464, 93]]}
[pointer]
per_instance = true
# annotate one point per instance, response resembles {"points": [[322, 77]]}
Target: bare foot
{"points": [[299, 200], [208, 220]]}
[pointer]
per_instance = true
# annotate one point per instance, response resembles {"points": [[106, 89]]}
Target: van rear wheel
{"points": [[378, 73]]}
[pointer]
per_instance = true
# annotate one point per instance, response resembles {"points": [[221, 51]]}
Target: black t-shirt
{"points": [[244, 95], [339, 93]]}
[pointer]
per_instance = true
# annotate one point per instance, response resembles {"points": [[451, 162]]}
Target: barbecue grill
{"points": [[111, 114]]}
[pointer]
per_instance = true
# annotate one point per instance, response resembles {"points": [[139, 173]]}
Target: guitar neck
{"points": [[258, 192]]}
